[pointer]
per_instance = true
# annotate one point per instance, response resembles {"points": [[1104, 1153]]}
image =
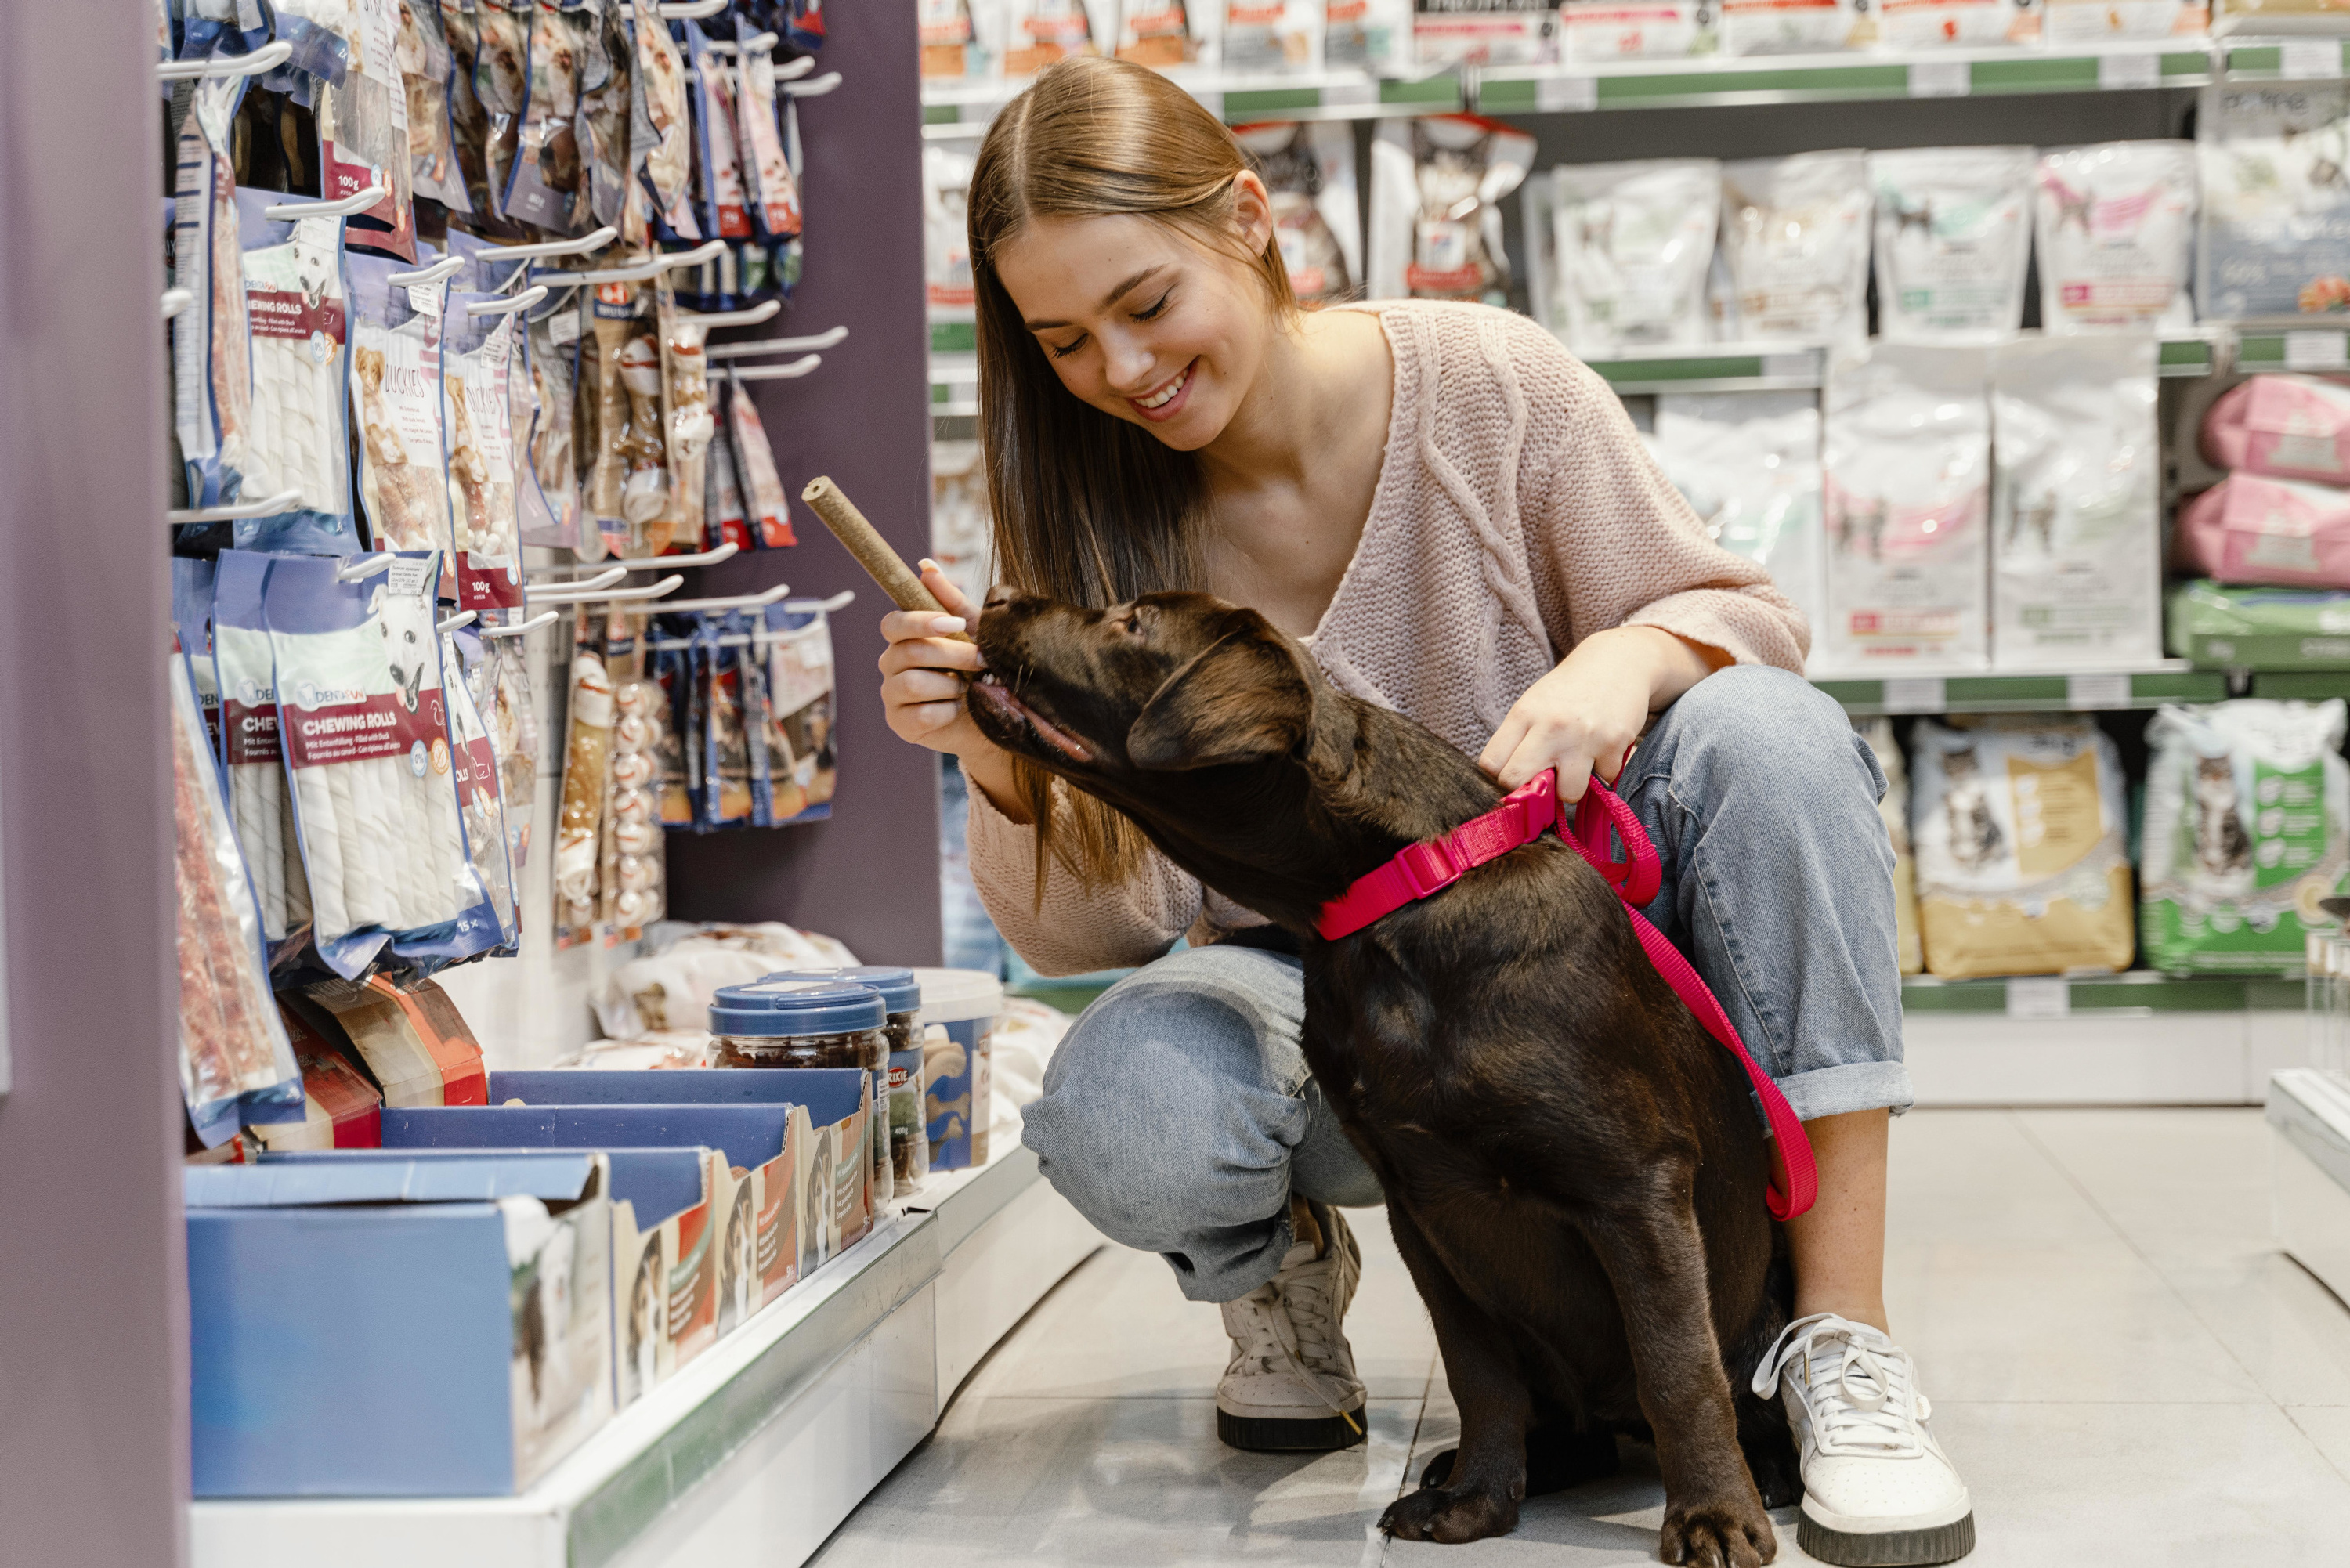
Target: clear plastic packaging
{"points": [[2115, 226], [723, 207], [477, 361], [771, 192], [212, 350], [1795, 236], [1628, 247], [768, 515], [685, 393], [424, 73], [586, 760], [396, 412], [299, 423], [474, 768], [502, 695], [260, 795], [661, 134], [795, 662], [1437, 186], [1953, 240], [634, 873]]}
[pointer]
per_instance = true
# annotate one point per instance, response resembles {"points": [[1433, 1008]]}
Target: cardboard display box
{"points": [[414, 1042], [341, 1108]]}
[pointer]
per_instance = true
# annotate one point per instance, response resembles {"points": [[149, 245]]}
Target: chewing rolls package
{"points": [[1789, 26], [2102, 21], [1953, 238], [1629, 247], [2076, 521], [1795, 236], [474, 768], [395, 407], [363, 721], [260, 795], [1309, 168], [1366, 34], [1039, 32], [1749, 466], [2275, 235], [298, 433], [212, 350], [1631, 29], [1437, 186], [2116, 226], [1483, 32], [477, 361], [1268, 35], [2254, 530], [1906, 498], [772, 194], [1954, 24], [502, 695], [2022, 848], [1164, 33], [586, 771], [1894, 808], [425, 67], [2285, 426], [2247, 828], [796, 642]]}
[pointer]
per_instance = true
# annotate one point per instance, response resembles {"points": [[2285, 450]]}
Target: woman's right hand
{"points": [[924, 670]]}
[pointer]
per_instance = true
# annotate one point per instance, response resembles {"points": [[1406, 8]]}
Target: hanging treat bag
{"points": [[501, 696], [796, 648], [661, 135], [2115, 224], [1906, 498], [2104, 21], [691, 423], [363, 721], [1894, 808], [586, 768], [1366, 35], [363, 139], [1629, 245], [395, 407], [635, 870], [474, 768], [756, 718], [191, 625], [2247, 828], [1790, 26], [723, 520], [1163, 33], [1954, 24], [1437, 185], [627, 474], [1795, 236], [769, 521], [476, 356], [2076, 521], [550, 512], [501, 82], [607, 104], [426, 69], [468, 120], [725, 747], [547, 177], [1309, 170], [720, 202], [1043, 31], [1953, 238], [1482, 33], [772, 192], [297, 435], [260, 795], [1627, 30], [1749, 466], [679, 761], [2275, 232], [211, 348]]}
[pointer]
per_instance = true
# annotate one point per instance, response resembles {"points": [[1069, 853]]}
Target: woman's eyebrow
{"points": [[1112, 298]]}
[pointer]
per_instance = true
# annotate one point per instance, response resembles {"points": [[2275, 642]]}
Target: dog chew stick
{"points": [[884, 564]]}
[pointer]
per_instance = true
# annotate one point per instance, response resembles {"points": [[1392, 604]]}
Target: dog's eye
{"points": [[1133, 622]]}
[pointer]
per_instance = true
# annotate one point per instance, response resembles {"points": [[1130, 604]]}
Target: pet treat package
{"points": [[425, 66], [607, 100], [553, 520], [1953, 238], [2259, 628], [722, 518], [192, 586], [960, 39], [1165, 33], [586, 773], [633, 860], [1789, 26], [1366, 35], [395, 407], [724, 210], [212, 350], [2285, 426], [2249, 529], [362, 718], [473, 765], [2076, 519], [2247, 828], [1437, 186], [1631, 29], [1906, 497], [725, 743], [1749, 466], [1483, 32], [796, 642], [412, 1040], [2067, 22], [2276, 233], [260, 795], [1309, 168], [1270, 35], [626, 488], [2115, 224], [363, 136], [1628, 247], [946, 221], [1038, 32], [1794, 237], [1894, 808], [1954, 24], [685, 386], [298, 434], [660, 132], [772, 190], [2022, 847], [549, 182], [768, 515], [477, 359], [671, 662], [501, 82], [501, 696]]}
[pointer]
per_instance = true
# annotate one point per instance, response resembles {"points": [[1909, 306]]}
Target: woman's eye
{"points": [[1063, 350], [1155, 309]]}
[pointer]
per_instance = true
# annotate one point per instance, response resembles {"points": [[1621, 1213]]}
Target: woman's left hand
{"points": [[1585, 715]]}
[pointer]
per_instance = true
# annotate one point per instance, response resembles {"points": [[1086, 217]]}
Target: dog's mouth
{"points": [[1006, 705]]}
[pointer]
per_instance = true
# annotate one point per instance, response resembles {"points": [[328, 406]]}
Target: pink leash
{"points": [[1423, 869]]}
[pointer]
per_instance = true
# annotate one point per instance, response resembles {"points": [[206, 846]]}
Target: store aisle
{"points": [[2121, 1364]]}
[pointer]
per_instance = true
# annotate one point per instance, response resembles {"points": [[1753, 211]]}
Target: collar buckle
{"points": [[1429, 867]]}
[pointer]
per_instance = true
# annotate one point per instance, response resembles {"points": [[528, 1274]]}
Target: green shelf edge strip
{"points": [[955, 337], [2161, 993], [1520, 95], [2261, 59], [1256, 103], [2038, 693], [1436, 93], [1740, 367], [2304, 685], [2185, 355]]}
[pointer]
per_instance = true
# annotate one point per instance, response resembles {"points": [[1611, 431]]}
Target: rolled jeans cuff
{"points": [[1851, 1086]]}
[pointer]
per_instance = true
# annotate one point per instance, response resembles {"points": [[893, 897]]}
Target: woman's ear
{"points": [[1251, 212]]}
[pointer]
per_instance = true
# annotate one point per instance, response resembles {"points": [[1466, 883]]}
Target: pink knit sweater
{"points": [[1516, 513]]}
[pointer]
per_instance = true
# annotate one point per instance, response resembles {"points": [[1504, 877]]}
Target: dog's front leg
{"points": [[1654, 1258], [1481, 1497]]}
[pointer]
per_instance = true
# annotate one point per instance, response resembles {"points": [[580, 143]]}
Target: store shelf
{"points": [[2311, 58], [954, 110], [2170, 680], [2139, 990]]}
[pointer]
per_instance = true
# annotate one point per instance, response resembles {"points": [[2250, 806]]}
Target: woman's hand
{"points": [[924, 672], [1585, 716]]}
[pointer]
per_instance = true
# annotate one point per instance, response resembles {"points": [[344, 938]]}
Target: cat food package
{"points": [[1484, 33], [1039, 32], [1366, 35], [1953, 238], [946, 226], [477, 356], [2022, 847], [2251, 529], [1628, 246], [2247, 828], [1263, 37], [297, 435], [396, 419], [2286, 427], [212, 350], [1436, 187], [2067, 22], [1794, 237], [2221, 627], [1789, 26], [1894, 808], [1309, 170], [1749, 466], [2116, 226], [2276, 233], [1906, 498], [2076, 520], [1954, 24], [1163, 33], [1631, 29]]}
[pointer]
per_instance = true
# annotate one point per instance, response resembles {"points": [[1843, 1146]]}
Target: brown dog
{"points": [[1574, 1170]]}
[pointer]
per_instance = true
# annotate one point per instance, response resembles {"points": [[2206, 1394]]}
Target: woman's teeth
{"points": [[1166, 394]]}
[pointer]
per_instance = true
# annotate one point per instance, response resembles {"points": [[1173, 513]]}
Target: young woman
{"points": [[1458, 518]]}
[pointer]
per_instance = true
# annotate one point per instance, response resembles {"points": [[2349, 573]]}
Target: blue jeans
{"points": [[1179, 1115]]}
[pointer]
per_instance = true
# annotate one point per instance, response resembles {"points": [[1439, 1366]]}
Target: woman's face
{"points": [[1142, 321]]}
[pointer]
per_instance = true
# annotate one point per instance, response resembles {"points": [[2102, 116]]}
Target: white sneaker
{"points": [[1878, 1492], [1291, 1385]]}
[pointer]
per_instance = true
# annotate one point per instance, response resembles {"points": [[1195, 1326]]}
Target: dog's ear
{"points": [[1246, 697]]}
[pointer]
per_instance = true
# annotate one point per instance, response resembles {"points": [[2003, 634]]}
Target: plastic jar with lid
{"points": [[905, 1137], [959, 1008], [791, 1024]]}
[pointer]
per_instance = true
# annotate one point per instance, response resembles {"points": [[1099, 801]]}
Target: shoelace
{"points": [[1288, 1318], [1862, 1392]]}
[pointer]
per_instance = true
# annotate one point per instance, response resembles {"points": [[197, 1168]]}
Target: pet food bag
{"points": [[797, 638], [2076, 520], [1263, 37], [1954, 24], [774, 192], [958, 42], [1749, 466], [298, 434], [1795, 236], [946, 224], [502, 695], [260, 795], [477, 356], [2251, 529], [2285, 426], [395, 407], [1953, 238], [2275, 232], [2247, 828], [1446, 33], [1631, 29], [1906, 498], [1041, 31], [212, 350], [423, 51], [1894, 808], [2021, 848], [2115, 224], [2222, 628], [579, 817], [2068, 22], [1164, 33], [1629, 246], [1437, 186], [1789, 26], [1309, 170], [1366, 35]]}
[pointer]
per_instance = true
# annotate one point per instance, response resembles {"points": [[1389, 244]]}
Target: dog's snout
{"points": [[999, 594]]}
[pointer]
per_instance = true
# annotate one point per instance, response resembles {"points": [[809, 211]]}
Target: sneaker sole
{"points": [[1886, 1549], [1270, 1434]]}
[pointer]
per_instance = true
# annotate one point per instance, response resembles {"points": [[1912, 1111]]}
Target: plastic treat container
{"points": [[958, 1011], [791, 1024], [904, 1136]]}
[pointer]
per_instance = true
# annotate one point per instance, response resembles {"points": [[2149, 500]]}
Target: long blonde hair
{"points": [[1088, 507]]}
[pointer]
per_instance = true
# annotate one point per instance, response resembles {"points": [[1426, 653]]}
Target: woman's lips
{"points": [[1174, 394]]}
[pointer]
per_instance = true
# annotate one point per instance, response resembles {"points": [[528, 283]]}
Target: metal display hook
{"points": [[284, 501], [776, 345], [341, 207], [269, 58]]}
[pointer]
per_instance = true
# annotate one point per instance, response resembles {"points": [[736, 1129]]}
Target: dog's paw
{"points": [[1718, 1535], [1432, 1513]]}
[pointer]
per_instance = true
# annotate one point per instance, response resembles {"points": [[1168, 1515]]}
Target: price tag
{"points": [[1357, 94], [1566, 95], [1790, 367], [424, 299], [2314, 352], [2039, 996], [2309, 59], [406, 576], [2123, 73], [563, 329], [1941, 79], [1914, 694], [2087, 693]]}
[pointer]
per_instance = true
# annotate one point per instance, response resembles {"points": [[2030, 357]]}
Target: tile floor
{"points": [[2122, 1365]]}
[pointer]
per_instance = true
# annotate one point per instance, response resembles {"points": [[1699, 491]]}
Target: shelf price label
{"points": [[2039, 996], [2309, 59], [2124, 73], [1914, 694], [2089, 693], [1566, 95], [2315, 352], [1941, 79], [1362, 92]]}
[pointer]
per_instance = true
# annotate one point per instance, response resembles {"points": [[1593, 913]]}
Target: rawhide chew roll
{"points": [[872, 552]]}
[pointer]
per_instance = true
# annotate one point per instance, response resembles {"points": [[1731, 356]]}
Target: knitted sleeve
{"points": [[1075, 929]]}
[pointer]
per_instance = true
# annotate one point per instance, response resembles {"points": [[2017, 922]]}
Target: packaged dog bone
{"points": [[1468, 32], [425, 66], [2115, 224], [797, 638], [395, 407], [502, 695], [297, 433], [1265, 36], [1789, 26], [2275, 235], [774, 192], [635, 873], [1953, 238], [1309, 170], [1749, 466], [2102, 21], [2022, 848], [1794, 234], [363, 139], [626, 487], [2251, 529], [212, 352], [691, 421], [660, 133], [476, 354], [2076, 521], [1164, 33], [1906, 497], [2286, 427], [1041, 31], [1630, 29], [260, 795], [587, 764], [1437, 186], [362, 719], [2247, 828], [769, 521], [1629, 245], [1954, 24], [473, 767], [1894, 808], [1366, 34]]}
